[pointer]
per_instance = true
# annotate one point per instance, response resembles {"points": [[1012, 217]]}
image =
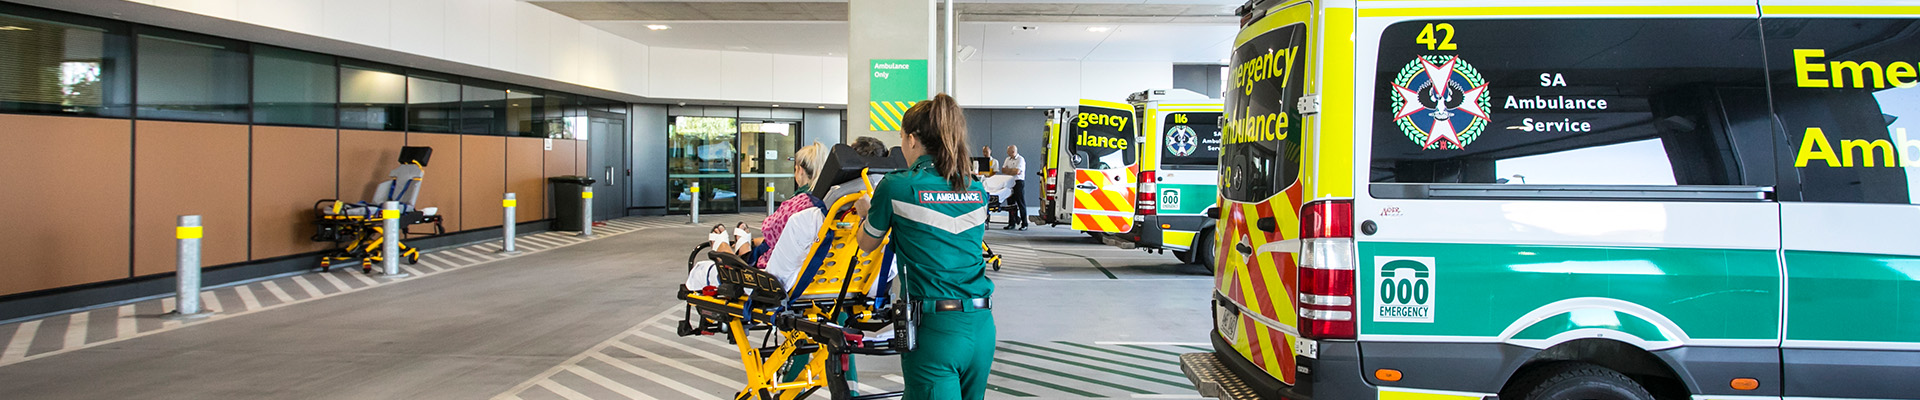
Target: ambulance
{"points": [[1056, 196], [1103, 161], [1179, 155], [1681, 199]]}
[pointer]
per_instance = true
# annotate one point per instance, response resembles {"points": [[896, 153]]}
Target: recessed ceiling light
{"points": [[738, 48], [776, 106], [658, 27], [1097, 29], [823, 106], [14, 28]]}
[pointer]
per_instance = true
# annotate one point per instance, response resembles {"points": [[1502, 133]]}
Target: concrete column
{"points": [[885, 29]]}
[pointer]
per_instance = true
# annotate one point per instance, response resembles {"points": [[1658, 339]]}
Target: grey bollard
{"points": [[506, 239], [390, 244], [696, 203], [586, 211], [770, 202], [186, 296]]}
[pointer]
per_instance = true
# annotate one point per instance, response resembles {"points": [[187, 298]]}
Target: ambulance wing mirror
{"points": [[1213, 213]]}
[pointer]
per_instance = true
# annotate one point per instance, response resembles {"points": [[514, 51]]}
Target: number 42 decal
{"points": [[1427, 37]]}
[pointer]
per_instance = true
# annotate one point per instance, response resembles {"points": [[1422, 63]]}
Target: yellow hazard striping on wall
{"points": [[186, 232], [886, 115]]}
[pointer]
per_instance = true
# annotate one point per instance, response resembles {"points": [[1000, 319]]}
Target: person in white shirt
{"points": [[1016, 166]]}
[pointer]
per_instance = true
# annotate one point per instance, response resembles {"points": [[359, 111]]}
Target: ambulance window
{"points": [[1843, 91], [1260, 150], [1190, 140], [1103, 139], [1571, 102]]}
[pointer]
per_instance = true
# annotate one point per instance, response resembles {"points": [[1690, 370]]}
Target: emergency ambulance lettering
{"points": [[1273, 65], [1899, 153], [1810, 72]]}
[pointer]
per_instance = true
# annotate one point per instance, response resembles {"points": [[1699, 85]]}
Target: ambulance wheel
{"points": [[1203, 254], [1578, 381], [1184, 256]]}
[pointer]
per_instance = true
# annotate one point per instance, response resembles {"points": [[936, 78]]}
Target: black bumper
{"points": [[1335, 375]]}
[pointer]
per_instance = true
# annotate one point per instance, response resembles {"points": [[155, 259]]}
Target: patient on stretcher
{"points": [[786, 234]]}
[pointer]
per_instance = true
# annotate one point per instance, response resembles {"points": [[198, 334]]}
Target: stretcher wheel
{"points": [[413, 258], [366, 268]]}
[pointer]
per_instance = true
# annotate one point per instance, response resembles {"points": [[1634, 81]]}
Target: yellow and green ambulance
{"points": [[1684, 199], [1179, 156], [1056, 189]]}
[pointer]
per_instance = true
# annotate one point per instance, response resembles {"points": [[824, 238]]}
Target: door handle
{"points": [[610, 176]]}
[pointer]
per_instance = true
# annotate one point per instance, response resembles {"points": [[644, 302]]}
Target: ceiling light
{"points": [[776, 106], [1098, 29], [14, 28], [823, 106], [738, 48], [658, 27]]}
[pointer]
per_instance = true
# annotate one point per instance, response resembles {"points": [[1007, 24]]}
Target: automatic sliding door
{"points": [[766, 156], [701, 149]]}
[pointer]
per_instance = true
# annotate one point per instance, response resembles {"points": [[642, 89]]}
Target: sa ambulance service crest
{"points": [[1181, 141], [1443, 102]]}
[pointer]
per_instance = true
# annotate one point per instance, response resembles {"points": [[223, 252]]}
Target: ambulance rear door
{"points": [[1105, 162]]}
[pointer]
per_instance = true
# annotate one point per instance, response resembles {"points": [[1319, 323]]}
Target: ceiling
{"points": [[1180, 31]]}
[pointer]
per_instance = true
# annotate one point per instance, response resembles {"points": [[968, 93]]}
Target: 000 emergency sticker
{"points": [[1403, 289]]}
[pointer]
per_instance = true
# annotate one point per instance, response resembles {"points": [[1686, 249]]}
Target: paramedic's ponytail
{"points": [[941, 127]]}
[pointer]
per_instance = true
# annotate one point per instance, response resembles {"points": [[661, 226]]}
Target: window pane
{"points": [[192, 77], [371, 97], [1261, 152], [483, 110], [433, 103], [1844, 92], [1572, 102], [522, 106], [293, 87], [64, 65], [1192, 140]]}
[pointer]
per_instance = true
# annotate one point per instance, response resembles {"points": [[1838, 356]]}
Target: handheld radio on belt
{"points": [[906, 313]]}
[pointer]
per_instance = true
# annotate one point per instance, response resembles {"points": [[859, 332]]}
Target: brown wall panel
{"points": [[441, 186], [483, 180], [292, 168], [526, 177], [580, 161], [182, 168], [366, 157], [66, 201], [559, 163]]}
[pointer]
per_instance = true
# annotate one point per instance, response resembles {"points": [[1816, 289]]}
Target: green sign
{"points": [[894, 86]]}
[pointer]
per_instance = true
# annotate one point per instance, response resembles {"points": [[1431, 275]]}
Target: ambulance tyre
{"points": [[1577, 381], [1203, 252]]}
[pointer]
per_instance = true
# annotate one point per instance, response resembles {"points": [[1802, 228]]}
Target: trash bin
{"points": [[567, 204]]}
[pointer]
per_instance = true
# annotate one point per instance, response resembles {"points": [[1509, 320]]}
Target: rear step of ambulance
{"points": [[1212, 378]]}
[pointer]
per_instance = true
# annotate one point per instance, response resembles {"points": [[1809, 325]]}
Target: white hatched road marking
{"points": [[677, 365], [22, 337], [616, 387], [76, 329], [307, 285], [276, 291], [656, 378], [409, 269], [211, 301], [563, 391], [247, 298], [544, 377], [125, 325], [337, 283]]}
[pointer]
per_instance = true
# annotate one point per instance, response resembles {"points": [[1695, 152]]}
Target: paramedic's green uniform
{"points": [[937, 233]]}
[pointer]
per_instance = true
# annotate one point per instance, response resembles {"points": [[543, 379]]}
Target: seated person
{"points": [[787, 234]]}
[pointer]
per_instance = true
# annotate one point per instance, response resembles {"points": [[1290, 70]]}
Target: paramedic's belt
{"points": [[960, 305]]}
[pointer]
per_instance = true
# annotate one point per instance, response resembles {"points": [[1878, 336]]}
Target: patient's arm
{"points": [[867, 242]]}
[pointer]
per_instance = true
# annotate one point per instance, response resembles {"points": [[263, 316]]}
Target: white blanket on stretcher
{"points": [[998, 185]]}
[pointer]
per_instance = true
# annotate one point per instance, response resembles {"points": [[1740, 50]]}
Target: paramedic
{"points": [[1016, 166], [937, 215]]}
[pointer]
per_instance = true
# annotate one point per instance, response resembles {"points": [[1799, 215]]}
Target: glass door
{"points": [[702, 149], [766, 156]]}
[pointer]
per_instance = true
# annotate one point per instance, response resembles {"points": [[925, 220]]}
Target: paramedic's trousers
{"points": [[953, 357]]}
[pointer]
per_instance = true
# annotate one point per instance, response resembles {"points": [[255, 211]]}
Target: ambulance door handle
{"points": [[1267, 224]]}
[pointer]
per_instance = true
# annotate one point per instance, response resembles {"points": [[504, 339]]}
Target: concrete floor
{"points": [[593, 320]]}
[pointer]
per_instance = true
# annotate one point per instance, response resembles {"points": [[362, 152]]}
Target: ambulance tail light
{"points": [[1050, 174], [1327, 306], [1147, 200]]}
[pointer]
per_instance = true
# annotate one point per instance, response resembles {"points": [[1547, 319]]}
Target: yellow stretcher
{"points": [[829, 313]]}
